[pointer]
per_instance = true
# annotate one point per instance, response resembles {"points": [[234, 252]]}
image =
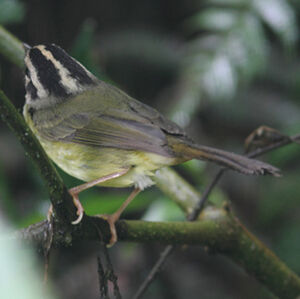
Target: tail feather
{"points": [[233, 161]]}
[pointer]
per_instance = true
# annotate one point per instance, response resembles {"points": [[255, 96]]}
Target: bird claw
{"points": [[80, 213], [80, 209], [111, 220], [79, 218]]}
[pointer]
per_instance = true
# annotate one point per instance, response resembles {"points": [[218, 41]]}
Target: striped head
{"points": [[51, 74]]}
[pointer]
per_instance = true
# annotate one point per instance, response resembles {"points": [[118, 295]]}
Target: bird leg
{"points": [[76, 190], [113, 218]]}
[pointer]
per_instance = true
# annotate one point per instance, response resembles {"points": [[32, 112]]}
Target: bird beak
{"points": [[26, 47]]}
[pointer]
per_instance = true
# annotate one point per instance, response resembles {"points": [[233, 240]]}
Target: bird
{"points": [[99, 134]]}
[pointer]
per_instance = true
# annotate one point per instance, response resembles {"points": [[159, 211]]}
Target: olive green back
{"points": [[104, 116]]}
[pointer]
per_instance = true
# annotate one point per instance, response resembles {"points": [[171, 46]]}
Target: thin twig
{"points": [[154, 271], [46, 248], [102, 279], [111, 276], [199, 207], [170, 248], [276, 145], [108, 274]]}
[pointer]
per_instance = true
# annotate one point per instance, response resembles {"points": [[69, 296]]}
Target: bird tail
{"points": [[233, 161]]}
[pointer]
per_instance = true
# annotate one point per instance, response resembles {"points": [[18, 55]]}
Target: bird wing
{"points": [[104, 116]]}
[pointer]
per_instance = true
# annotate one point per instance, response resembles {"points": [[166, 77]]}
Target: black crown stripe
{"points": [[75, 69], [47, 73]]}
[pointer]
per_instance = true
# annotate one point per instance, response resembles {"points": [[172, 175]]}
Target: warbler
{"points": [[99, 134]]}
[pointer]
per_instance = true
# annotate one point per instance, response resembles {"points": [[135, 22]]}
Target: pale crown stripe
{"points": [[70, 84], [27, 80], [41, 91], [27, 95]]}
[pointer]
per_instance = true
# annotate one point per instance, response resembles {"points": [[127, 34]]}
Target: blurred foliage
{"points": [[81, 49], [11, 11], [19, 268], [219, 67], [231, 47]]}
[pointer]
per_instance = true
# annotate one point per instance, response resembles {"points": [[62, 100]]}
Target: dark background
{"points": [[218, 68]]}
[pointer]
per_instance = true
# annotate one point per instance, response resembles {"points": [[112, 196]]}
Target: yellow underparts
{"points": [[89, 163]]}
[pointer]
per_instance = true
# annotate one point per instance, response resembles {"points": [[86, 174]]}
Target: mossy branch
{"points": [[217, 229], [59, 196], [11, 47]]}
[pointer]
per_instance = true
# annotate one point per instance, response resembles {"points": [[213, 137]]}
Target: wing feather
{"points": [[107, 118]]}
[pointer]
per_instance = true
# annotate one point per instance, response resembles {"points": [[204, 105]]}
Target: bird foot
{"points": [[80, 209], [111, 220]]}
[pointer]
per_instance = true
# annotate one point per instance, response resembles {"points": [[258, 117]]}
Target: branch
{"points": [[177, 188], [59, 196], [218, 230], [11, 48], [195, 210]]}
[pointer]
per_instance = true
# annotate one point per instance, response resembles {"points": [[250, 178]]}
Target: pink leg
{"points": [[113, 218], [76, 190]]}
